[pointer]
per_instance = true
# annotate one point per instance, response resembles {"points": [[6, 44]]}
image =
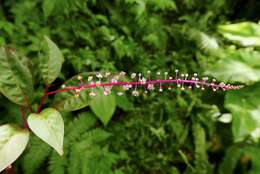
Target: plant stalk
{"points": [[23, 115], [43, 99], [10, 170]]}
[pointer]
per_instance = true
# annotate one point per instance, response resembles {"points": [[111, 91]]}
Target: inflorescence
{"points": [[135, 82]]}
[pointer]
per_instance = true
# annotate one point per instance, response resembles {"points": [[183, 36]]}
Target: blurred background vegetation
{"points": [[191, 132]]}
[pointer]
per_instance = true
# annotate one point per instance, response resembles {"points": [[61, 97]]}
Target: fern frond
{"points": [[78, 126], [207, 42], [87, 157], [57, 164], [37, 153], [95, 136], [75, 160], [204, 41], [77, 151], [99, 161], [201, 158]]}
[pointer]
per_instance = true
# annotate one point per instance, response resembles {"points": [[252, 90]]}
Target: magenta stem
{"points": [[23, 115], [43, 99]]}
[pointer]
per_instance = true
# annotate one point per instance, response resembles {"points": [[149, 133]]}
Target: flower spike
{"points": [[121, 82]]}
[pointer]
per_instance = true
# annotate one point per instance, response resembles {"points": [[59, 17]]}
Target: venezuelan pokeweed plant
{"points": [[16, 83], [106, 128]]}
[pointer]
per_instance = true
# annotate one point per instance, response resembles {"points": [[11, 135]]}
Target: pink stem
{"points": [[94, 85]]}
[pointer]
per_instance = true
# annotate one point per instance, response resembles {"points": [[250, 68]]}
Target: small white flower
{"points": [[99, 76], [107, 74], [119, 93], [143, 80], [105, 93], [113, 81], [133, 75], [135, 93], [108, 88], [77, 90], [90, 78], [79, 77], [92, 94], [150, 87], [122, 73], [126, 87]]}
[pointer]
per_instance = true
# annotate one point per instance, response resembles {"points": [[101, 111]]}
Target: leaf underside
{"points": [[48, 125]]}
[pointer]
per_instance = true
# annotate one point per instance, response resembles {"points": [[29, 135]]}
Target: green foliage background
{"points": [[170, 133]]}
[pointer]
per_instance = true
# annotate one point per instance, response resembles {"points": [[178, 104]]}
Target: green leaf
{"points": [[254, 155], [67, 101], [201, 157], [52, 63], [244, 33], [244, 106], [225, 118], [163, 4], [124, 103], [234, 154], [245, 61], [103, 106], [13, 141], [36, 154], [48, 6], [48, 125], [15, 78]]}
